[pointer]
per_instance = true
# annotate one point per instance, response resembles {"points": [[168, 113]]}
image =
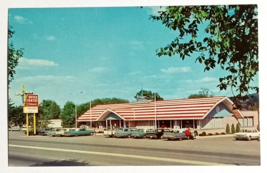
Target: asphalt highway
{"points": [[100, 151]]}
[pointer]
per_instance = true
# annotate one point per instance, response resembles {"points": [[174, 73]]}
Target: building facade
{"points": [[210, 115]]}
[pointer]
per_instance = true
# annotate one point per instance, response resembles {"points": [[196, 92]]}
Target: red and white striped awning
{"points": [[196, 108]]}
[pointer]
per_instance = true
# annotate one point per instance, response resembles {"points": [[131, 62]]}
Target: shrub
{"points": [[233, 129], [237, 128], [203, 134], [227, 129]]}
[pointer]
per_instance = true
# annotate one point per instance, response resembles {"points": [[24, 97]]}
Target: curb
{"points": [[213, 136]]}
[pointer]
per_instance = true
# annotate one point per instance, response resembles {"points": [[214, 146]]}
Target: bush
{"points": [[237, 128], [227, 129], [233, 129], [203, 134]]}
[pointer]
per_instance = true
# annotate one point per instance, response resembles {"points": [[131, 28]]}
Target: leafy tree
{"points": [[231, 40], [50, 110], [42, 123], [203, 93], [233, 129], [68, 115], [15, 114], [237, 128], [13, 57], [227, 129], [148, 95], [82, 108]]}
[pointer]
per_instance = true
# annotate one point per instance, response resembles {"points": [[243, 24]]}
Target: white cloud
{"points": [[50, 38], [98, 69], [44, 78], [209, 79], [22, 20], [19, 18], [156, 9], [176, 70], [203, 80], [27, 63], [151, 76]]}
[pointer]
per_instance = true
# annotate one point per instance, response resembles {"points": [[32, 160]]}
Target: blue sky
{"points": [[102, 52]]}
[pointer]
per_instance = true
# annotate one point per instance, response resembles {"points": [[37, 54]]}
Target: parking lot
{"points": [[99, 150]]}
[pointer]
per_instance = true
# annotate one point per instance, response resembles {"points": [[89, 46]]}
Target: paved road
{"points": [[101, 151]]}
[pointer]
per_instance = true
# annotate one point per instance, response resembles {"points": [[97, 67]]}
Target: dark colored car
{"points": [[181, 134], [42, 132], [156, 134]]}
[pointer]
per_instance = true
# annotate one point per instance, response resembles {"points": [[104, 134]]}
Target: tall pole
{"points": [[90, 115], [34, 123], [75, 116], [27, 124], [155, 110], [75, 110]]}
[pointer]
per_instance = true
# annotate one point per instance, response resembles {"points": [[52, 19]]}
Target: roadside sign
{"points": [[27, 110], [31, 100]]}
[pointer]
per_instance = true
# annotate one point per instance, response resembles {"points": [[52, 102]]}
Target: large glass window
{"points": [[246, 122]]}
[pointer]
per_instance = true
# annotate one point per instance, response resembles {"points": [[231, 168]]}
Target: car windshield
{"points": [[140, 130], [150, 130]]}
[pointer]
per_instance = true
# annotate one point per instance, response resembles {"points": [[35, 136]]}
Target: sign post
{"points": [[27, 124], [30, 106], [34, 124]]}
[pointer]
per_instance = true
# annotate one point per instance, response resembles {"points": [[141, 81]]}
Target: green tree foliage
{"points": [[13, 57], [82, 108], [50, 110], [148, 95], [227, 129], [68, 114], [231, 40], [203, 93], [237, 128], [233, 129], [15, 114], [42, 123]]}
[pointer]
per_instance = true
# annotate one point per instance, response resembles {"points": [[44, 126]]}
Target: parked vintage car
{"points": [[42, 132], [157, 133], [124, 132], [61, 132], [14, 128], [79, 132], [100, 130], [24, 127], [180, 134], [110, 132], [140, 133], [247, 134]]}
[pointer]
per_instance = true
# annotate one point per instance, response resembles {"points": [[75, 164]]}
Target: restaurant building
{"points": [[210, 115]]}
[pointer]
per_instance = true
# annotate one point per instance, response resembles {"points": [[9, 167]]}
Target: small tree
{"points": [[227, 129], [233, 129], [237, 128]]}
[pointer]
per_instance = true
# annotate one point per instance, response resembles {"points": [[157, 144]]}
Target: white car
{"points": [[14, 128], [60, 132], [24, 128], [247, 134]]}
